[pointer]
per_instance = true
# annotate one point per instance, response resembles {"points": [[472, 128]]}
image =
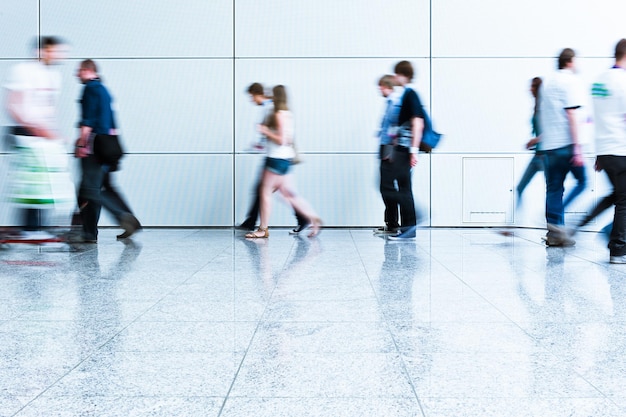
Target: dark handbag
{"points": [[107, 149]]}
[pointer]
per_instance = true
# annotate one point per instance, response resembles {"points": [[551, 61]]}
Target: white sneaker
{"points": [[36, 235], [407, 235], [618, 259]]}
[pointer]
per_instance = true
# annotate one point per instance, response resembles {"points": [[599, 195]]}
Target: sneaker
{"points": [[407, 235], [386, 230], [559, 236], [246, 225], [296, 230], [618, 259], [36, 235], [81, 239]]}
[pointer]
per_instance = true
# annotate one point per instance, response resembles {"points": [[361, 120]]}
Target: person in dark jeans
{"points": [[387, 136], [609, 101], [411, 128], [97, 123]]}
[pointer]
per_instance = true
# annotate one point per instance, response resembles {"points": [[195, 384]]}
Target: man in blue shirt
{"points": [[98, 130], [387, 134]]}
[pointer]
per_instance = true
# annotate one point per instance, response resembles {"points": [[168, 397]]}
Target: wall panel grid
{"points": [[178, 72]]}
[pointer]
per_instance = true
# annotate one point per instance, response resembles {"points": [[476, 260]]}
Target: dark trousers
{"points": [[388, 191], [401, 193], [604, 204], [255, 208], [33, 219], [97, 191], [615, 167]]}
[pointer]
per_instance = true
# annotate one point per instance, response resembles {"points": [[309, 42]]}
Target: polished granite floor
{"points": [[201, 322]]}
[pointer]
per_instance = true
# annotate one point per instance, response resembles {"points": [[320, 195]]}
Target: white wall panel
{"points": [[343, 189], [336, 103], [533, 28], [142, 28], [488, 193], [328, 28], [487, 106], [163, 105], [178, 190], [18, 28]]}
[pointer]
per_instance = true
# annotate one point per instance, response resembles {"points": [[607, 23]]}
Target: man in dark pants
{"points": [[609, 102], [411, 122], [387, 134], [258, 97], [98, 124]]}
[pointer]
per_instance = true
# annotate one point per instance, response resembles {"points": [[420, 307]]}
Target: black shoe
{"points": [[296, 230], [384, 230], [130, 224], [246, 225]]}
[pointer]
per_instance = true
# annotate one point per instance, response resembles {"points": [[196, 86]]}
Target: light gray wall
{"points": [[179, 70]]}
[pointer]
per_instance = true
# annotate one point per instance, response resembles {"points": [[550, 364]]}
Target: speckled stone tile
{"points": [[521, 407], [161, 406], [279, 373], [321, 407], [201, 322]]}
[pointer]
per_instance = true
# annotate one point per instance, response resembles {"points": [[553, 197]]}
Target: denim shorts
{"points": [[277, 166]]}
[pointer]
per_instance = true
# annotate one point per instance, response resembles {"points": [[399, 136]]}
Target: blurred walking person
{"points": [[99, 152], [411, 128], [387, 134], [559, 98], [258, 97], [609, 102], [40, 178], [279, 131], [536, 163]]}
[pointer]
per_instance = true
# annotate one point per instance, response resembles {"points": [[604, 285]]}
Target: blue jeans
{"points": [[535, 165], [97, 191], [557, 165], [581, 183]]}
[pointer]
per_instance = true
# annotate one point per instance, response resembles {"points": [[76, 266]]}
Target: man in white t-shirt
{"points": [[33, 89], [560, 96], [609, 102]]}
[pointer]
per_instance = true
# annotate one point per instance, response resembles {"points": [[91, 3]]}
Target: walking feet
{"points": [[316, 225], [260, 233], [559, 236], [130, 224]]}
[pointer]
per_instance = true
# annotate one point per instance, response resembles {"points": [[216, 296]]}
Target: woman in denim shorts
{"points": [[280, 154]]}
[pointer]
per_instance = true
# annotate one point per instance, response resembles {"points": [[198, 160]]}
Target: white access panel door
{"points": [[488, 186]]}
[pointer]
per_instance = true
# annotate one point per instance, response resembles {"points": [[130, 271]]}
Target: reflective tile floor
{"points": [[201, 322]]}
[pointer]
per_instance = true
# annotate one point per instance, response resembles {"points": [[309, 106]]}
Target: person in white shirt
{"points": [[560, 96], [41, 180], [609, 102]]}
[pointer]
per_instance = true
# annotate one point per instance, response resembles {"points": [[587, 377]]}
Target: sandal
{"points": [[260, 233], [316, 224]]}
